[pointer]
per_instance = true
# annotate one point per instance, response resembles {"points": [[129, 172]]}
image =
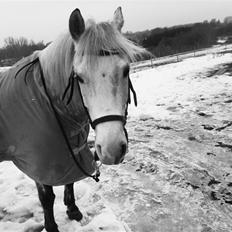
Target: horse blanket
{"points": [[29, 132]]}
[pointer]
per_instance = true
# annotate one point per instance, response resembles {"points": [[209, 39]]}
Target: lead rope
{"points": [[29, 65]]}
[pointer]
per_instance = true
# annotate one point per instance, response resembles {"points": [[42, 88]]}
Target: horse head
{"points": [[101, 65]]}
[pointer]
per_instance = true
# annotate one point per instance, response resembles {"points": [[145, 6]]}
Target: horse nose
{"points": [[109, 155], [99, 150]]}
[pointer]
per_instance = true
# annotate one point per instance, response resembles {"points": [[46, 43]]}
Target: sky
{"points": [[45, 20]]}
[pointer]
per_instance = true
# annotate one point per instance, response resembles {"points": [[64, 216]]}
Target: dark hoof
{"points": [[74, 214], [53, 228]]}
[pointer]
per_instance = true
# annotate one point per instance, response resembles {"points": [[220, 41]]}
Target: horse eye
{"points": [[126, 71], [79, 79]]}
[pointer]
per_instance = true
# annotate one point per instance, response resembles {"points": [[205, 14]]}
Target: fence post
{"points": [[151, 63]]}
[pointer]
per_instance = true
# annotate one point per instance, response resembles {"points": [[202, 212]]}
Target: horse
{"points": [[49, 100]]}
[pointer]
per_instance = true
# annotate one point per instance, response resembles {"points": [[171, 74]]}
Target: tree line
{"points": [[16, 48], [172, 40], [159, 41]]}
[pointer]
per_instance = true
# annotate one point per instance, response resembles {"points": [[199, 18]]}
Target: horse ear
{"points": [[118, 20], [76, 24]]}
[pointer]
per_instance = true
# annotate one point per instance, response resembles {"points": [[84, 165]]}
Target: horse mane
{"points": [[104, 36], [59, 54]]}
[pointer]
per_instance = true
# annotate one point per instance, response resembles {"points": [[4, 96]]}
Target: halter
{"points": [[70, 88], [107, 118]]}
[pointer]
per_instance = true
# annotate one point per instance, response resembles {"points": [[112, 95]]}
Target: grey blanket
{"points": [[30, 135]]}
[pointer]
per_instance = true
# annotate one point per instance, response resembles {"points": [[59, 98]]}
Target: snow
{"points": [[163, 85], [2, 69], [163, 185], [221, 41], [21, 211]]}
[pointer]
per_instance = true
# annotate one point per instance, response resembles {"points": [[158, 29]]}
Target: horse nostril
{"points": [[96, 158], [123, 149], [99, 151]]}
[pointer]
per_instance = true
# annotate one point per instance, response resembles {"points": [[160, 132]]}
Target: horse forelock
{"points": [[103, 36], [97, 37]]}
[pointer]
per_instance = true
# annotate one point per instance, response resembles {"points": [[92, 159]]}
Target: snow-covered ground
{"points": [[177, 175], [20, 210], [174, 82], [4, 68]]}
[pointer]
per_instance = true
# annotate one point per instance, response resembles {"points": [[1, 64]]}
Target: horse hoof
{"points": [[74, 214], [51, 228], [54, 230]]}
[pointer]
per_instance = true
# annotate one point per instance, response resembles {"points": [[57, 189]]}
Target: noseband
{"points": [[108, 118]]}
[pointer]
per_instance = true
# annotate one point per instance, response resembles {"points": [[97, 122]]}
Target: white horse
{"points": [[48, 100]]}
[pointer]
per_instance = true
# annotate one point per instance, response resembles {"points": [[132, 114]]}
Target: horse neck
{"points": [[56, 61]]}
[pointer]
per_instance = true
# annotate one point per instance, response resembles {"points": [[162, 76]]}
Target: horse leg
{"points": [[47, 198], [73, 211]]}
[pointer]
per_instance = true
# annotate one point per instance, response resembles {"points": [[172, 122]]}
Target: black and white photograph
{"points": [[116, 116]]}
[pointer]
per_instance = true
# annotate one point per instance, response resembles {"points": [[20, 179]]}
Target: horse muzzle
{"points": [[111, 143], [111, 155]]}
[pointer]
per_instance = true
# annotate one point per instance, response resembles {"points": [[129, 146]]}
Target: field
{"points": [[177, 175]]}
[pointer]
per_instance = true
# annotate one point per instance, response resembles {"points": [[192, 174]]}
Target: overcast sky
{"points": [[44, 20]]}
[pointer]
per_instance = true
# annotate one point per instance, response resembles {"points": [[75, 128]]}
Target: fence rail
{"points": [[215, 50]]}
